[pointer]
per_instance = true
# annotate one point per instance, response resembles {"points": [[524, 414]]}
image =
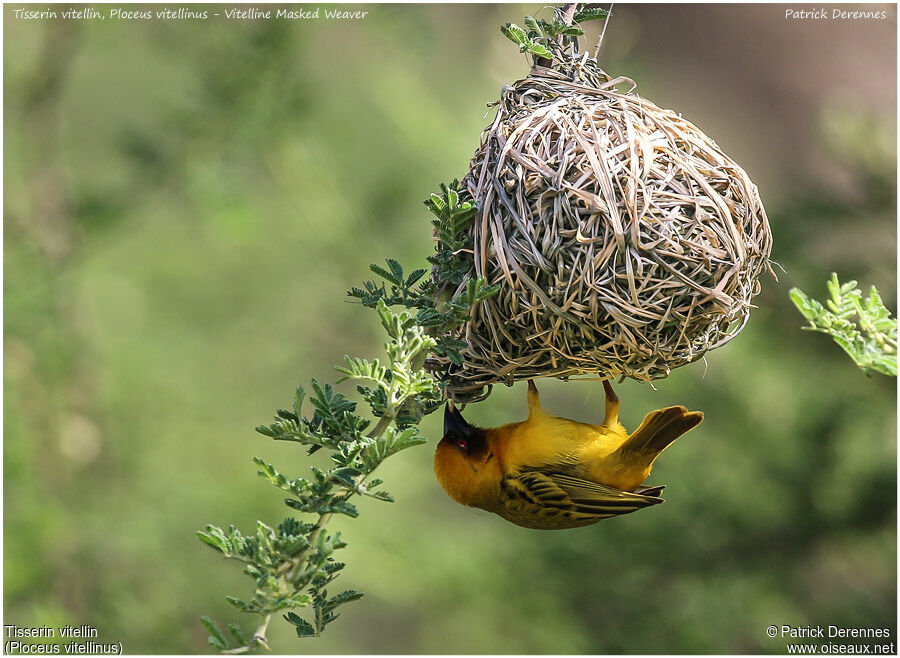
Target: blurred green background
{"points": [[186, 204]]}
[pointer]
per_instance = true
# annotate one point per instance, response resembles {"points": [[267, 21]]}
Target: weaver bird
{"points": [[552, 473]]}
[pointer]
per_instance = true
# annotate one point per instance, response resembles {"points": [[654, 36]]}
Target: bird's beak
{"points": [[455, 423]]}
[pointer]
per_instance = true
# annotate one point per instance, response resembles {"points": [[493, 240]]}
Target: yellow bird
{"points": [[552, 473]]}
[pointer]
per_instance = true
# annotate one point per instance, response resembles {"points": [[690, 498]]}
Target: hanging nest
{"points": [[624, 240]]}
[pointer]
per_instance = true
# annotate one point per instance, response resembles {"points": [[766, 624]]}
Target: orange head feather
{"points": [[465, 463]]}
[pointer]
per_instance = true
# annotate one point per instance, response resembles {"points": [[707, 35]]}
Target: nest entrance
{"points": [[625, 241]]}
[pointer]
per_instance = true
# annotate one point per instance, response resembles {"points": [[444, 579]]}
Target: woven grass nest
{"points": [[625, 241]]}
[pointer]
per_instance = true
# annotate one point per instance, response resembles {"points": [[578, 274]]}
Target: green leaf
{"points": [[211, 540], [396, 270], [284, 414], [886, 366], [299, 396], [436, 203], [344, 597], [238, 634], [589, 14], [539, 49], [405, 439], [804, 304], [304, 628], [346, 476], [216, 639], [241, 605], [414, 276], [862, 327], [532, 25], [265, 468], [264, 429], [514, 33], [363, 369], [343, 507], [385, 274]]}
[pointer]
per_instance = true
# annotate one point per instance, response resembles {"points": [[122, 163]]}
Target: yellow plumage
{"points": [[551, 473]]}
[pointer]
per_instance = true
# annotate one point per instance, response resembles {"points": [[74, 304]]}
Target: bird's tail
{"points": [[650, 491], [659, 429]]}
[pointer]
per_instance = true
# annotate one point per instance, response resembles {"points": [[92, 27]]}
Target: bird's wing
{"points": [[549, 499]]}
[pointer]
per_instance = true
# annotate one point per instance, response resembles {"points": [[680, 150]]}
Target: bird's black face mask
{"points": [[458, 432]]}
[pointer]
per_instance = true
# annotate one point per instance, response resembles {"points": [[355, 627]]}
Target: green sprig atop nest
{"points": [[623, 240]]}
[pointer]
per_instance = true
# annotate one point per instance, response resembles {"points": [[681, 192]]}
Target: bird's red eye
{"points": [[462, 444]]}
